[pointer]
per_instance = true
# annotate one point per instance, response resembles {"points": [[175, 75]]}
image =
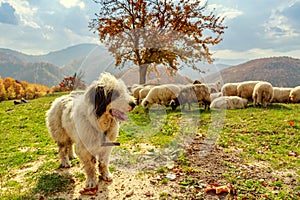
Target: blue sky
{"points": [[256, 28]]}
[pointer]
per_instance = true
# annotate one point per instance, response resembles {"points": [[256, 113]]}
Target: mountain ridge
{"points": [[92, 59], [279, 71]]}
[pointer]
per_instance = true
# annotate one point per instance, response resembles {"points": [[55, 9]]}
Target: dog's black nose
{"points": [[132, 104]]}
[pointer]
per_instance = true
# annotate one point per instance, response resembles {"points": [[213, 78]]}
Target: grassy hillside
{"points": [[257, 152]]}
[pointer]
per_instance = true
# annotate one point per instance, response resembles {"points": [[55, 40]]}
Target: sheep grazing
{"points": [[161, 94], [262, 94], [281, 95], [214, 87], [229, 89], [229, 102], [144, 92], [295, 95], [245, 89], [190, 94], [136, 92], [213, 96]]}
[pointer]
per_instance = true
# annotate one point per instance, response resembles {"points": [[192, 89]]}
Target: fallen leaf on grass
{"points": [[190, 149], [219, 188], [89, 191], [177, 170], [263, 183], [211, 187], [292, 123]]}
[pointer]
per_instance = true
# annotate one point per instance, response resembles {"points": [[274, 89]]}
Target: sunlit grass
{"points": [[261, 135]]}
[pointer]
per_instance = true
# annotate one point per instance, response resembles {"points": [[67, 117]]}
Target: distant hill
{"points": [[62, 57], [92, 59], [131, 76], [279, 71], [206, 69], [51, 68], [57, 58], [41, 73]]}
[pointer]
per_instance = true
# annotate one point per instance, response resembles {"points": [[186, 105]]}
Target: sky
{"points": [[256, 28]]}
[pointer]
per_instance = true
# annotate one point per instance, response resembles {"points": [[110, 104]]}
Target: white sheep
{"points": [[136, 92], [262, 94], [229, 89], [295, 95], [192, 94], [213, 96], [214, 87], [281, 95], [161, 94], [245, 89], [229, 102], [144, 92]]}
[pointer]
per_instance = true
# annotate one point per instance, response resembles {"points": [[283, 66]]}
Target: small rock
{"points": [[170, 165], [129, 193], [153, 181], [171, 177]]}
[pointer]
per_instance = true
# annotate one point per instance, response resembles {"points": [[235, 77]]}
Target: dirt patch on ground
{"points": [[186, 178]]}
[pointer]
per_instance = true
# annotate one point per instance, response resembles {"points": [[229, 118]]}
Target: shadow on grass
{"points": [[52, 185], [277, 106], [60, 185], [273, 106]]}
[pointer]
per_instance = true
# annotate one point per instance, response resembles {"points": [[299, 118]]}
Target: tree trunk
{"points": [[143, 72]]}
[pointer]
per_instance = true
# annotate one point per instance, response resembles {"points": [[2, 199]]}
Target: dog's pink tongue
{"points": [[119, 115]]}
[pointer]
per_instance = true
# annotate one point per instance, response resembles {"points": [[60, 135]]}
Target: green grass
{"points": [[24, 140], [263, 136]]}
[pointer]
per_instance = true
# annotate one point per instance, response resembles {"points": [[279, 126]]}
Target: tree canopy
{"points": [[147, 32]]}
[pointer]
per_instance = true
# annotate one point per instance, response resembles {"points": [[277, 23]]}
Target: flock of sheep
{"points": [[229, 96]]}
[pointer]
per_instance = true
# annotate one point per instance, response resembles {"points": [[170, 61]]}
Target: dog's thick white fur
{"points": [[89, 120]]}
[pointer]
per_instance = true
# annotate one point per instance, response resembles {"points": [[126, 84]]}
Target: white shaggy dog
{"points": [[91, 121]]}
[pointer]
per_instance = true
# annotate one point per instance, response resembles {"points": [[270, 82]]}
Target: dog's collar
{"points": [[108, 144]]}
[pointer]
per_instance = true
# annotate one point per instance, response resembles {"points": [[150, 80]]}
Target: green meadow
{"points": [[268, 139]]}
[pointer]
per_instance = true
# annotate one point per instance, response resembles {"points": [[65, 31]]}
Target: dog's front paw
{"points": [[107, 177], [65, 164], [91, 183]]}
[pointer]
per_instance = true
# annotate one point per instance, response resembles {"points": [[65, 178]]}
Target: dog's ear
{"points": [[102, 98]]}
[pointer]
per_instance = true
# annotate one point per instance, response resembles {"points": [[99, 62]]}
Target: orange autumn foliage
{"points": [[147, 32], [14, 89]]}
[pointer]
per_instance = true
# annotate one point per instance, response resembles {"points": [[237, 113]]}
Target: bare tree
{"points": [[149, 32]]}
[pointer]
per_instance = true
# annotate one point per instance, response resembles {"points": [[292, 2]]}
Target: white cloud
{"points": [[253, 54], [25, 11], [227, 12], [72, 3], [278, 26]]}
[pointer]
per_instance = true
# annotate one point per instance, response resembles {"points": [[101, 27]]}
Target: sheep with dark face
{"points": [[190, 94], [161, 94]]}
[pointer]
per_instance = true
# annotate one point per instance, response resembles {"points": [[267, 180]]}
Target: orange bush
{"points": [[14, 89], [2, 90]]}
